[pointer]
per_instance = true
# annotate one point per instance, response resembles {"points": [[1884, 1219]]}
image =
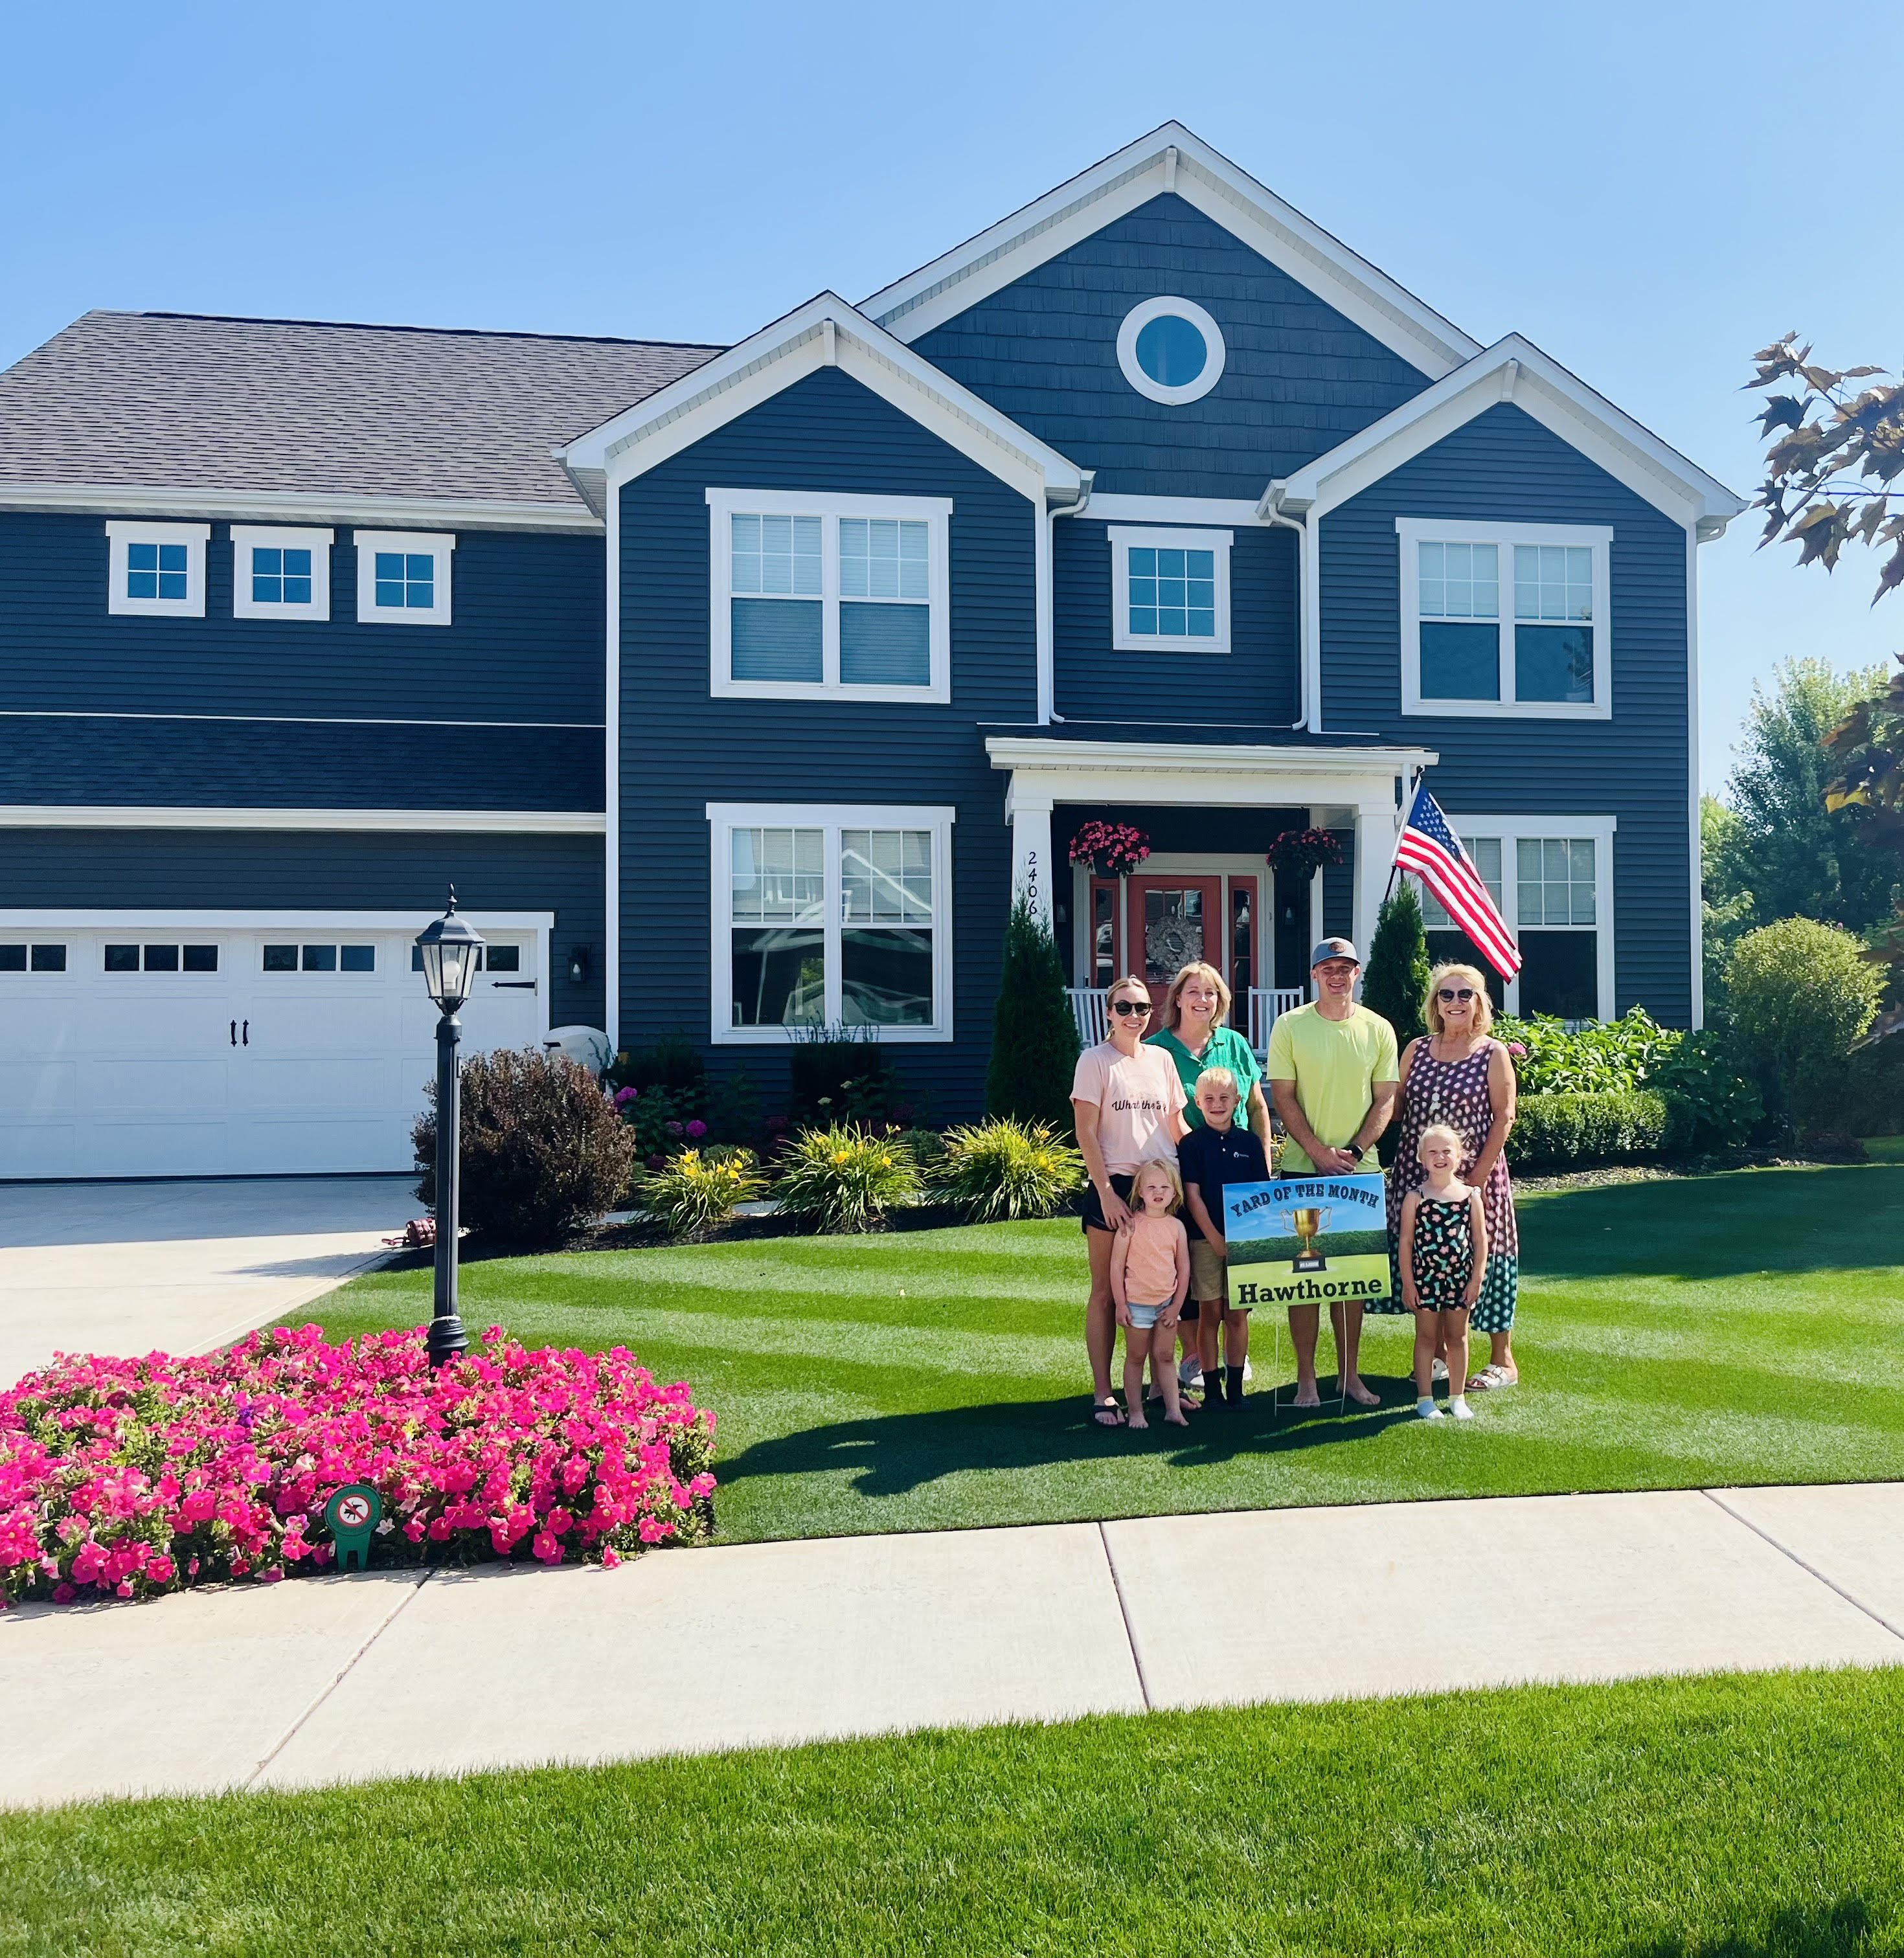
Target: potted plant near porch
{"points": [[1111, 849], [1297, 854]]}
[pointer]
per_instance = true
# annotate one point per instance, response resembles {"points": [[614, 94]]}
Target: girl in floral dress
{"points": [[1442, 1250], [1462, 1076]]}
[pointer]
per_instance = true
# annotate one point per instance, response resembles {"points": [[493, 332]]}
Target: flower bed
{"points": [[130, 1477]]}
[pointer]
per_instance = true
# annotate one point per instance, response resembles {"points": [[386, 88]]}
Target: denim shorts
{"points": [[1143, 1317]]}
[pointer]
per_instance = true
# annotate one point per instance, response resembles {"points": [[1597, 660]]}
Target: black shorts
{"points": [[1093, 1203]]}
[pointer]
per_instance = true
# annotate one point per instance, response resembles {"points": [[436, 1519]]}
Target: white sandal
{"points": [[1490, 1376]]}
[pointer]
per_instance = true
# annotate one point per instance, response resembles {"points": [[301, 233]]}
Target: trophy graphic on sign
{"points": [[1309, 1222]]}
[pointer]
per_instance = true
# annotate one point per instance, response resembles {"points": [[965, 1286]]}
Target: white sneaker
{"points": [[1190, 1377], [1247, 1375], [1438, 1371], [1428, 1412]]}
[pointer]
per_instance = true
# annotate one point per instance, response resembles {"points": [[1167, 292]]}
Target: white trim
{"points": [[1511, 829], [1215, 350], [1226, 512], [1172, 160], [723, 818], [1411, 531], [1123, 640], [245, 537], [120, 532], [612, 738], [1697, 1018], [260, 917], [276, 719], [423, 821], [1513, 368], [935, 512], [440, 545], [789, 350], [292, 506]]}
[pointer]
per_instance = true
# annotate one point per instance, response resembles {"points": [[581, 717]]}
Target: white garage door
{"points": [[180, 1048]]}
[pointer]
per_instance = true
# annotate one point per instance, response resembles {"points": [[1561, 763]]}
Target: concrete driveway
{"points": [[128, 1267]]}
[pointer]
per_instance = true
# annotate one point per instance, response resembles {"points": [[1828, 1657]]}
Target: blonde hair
{"points": [[1223, 1077], [1118, 986], [1170, 1169], [1439, 1131], [1196, 969], [1483, 1004]]}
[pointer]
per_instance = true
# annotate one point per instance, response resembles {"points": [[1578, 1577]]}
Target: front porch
{"points": [[1264, 1003]]}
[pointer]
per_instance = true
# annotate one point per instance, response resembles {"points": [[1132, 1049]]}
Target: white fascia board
{"points": [[1225, 512], [825, 331], [133, 815], [289, 506], [257, 917], [1514, 369], [1172, 159]]}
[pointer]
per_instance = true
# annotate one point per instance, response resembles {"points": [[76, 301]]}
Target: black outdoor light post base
{"points": [[447, 1337]]}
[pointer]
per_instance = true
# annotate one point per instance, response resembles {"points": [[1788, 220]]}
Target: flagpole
{"points": [[1407, 811]]}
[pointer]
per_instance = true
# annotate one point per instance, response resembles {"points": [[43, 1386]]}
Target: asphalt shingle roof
{"points": [[172, 400]]}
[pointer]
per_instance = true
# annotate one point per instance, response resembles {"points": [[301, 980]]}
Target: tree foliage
{"points": [[1396, 983], [1034, 1037], [1802, 992]]}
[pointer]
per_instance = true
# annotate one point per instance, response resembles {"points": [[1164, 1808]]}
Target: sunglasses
{"points": [[1447, 993], [1129, 1006]]}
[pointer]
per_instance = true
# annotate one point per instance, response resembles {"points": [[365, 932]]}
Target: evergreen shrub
{"points": [[1395, 982], [1034, 1036], [1802, 992], [1560, 1131]]}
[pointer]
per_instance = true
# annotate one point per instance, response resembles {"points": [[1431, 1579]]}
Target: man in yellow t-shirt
{"points": [[1333, 1081]]}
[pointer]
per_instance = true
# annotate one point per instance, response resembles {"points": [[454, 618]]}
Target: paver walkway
{"points": [[349, 1678], [128, 1267]]}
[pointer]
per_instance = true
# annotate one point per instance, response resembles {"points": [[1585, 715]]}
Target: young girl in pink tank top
{"points": [[1149, 1280]]}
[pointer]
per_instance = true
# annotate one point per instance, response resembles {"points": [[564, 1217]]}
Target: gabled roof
{"points": [[1171, 159], [307, 410], [827, 331], [1514, 369]]}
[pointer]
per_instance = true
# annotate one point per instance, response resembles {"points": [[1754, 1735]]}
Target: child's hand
{"points": [[1471, 1294], [1409, 1296], [1220, 1245], [1123, 1314], [1168, 1317]]}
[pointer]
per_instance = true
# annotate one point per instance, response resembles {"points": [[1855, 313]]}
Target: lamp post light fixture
{"points": [[451, 952]]}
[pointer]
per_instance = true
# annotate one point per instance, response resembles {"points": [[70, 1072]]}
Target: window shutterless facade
{"points": [[830, 917], [844, 597], [280, 574], [156, 570], [1170, 589], [403, 577], [1551, 878], [1506, 619]]}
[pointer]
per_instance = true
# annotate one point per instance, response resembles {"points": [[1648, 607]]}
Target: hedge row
{"points": [[1555, 1131]]}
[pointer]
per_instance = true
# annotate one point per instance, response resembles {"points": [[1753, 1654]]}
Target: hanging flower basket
{"points": [[1300, 854], [1112, 849]]}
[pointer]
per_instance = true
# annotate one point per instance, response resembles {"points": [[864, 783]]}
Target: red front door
{"points": [[1172, 922]]}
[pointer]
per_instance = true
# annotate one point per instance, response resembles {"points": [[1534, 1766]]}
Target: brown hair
{"points": [[1483, 1006], [1172, 1013]]}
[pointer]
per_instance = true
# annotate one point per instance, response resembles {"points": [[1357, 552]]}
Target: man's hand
{"points": [[1336, 1162], [1117, 1212]]}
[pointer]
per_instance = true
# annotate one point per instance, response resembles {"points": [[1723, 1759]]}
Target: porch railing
{"points": [[1087, 1009], [1265, 1003]]}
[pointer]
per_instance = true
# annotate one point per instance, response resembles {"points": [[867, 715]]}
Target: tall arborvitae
{"points": [[1034, 1037], [1395, 984]]}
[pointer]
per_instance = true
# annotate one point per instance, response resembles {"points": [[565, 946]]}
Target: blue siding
{"points": [[681, 749], [1506, 466], [1255, 683], [1299, 378], [261, 872], [524, 643], [297, 763]]}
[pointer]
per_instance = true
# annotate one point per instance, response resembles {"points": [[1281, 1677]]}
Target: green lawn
{"points": [[1734, 1329], [1751, 1818]]}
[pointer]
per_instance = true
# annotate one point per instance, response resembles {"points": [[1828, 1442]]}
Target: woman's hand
{"points": [[1117, 1212]]}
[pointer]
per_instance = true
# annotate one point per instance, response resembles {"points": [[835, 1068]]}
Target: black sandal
{"points": [[1100, 1409]]}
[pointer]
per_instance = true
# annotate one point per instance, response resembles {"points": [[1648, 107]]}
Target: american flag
{"points": [[1430, 849]]}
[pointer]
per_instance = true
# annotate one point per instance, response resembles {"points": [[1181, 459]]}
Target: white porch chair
{"points": [[1087, 1009], [1265, 1003]]}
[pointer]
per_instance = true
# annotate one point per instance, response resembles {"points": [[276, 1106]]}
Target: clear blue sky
{"points": [[1620, 183]]}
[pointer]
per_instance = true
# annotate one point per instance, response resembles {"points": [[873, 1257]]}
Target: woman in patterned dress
{"points": [[1461, 1076]]}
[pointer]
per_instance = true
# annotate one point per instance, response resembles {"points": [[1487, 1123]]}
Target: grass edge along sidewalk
{"points": [[1736, 1815], [1729, 1329]]}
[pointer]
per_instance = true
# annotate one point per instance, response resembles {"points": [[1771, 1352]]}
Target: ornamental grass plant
{"points": [[693, 1193], [1000, 1170], [128, 1478], [843, 1178]]}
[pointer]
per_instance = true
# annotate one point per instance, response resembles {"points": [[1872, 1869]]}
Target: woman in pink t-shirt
{"points": [[1127, 1104]]}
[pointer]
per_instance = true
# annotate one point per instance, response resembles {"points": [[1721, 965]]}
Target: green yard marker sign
{"points": [[352, 1514]]}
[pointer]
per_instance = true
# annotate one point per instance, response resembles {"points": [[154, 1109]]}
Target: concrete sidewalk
{"points": [[322, 1679]]}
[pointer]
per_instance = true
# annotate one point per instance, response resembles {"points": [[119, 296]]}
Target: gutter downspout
{"points": [[1047, 711], [1308, 687]]}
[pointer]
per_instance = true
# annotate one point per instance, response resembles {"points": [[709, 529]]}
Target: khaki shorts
{"points": [[1206, 1272]]}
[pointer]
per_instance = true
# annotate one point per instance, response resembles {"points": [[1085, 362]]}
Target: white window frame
{"points": [[723, 818], [247, 537], [1414, 531], [440, 544], [1513, 830], [934, 512], [1122, 537], [120, 531], [1139, 318]]}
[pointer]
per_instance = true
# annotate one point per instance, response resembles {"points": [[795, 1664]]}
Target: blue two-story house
{"points": [[736, 690]]}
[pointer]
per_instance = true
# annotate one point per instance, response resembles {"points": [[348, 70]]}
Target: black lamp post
{"points": [[450, 950]]}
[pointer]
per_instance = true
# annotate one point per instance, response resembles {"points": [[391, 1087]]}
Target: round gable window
{"points": [[1170, 350]]}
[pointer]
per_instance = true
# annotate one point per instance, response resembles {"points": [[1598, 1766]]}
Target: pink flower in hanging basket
{"points": [[1300, 854], [1111, 849]]}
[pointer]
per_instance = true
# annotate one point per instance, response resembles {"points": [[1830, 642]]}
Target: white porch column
{"points": [[1376, 827], [1028, 810]]}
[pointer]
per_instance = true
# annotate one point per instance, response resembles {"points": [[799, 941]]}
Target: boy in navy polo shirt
{"points": [[1218, 1153]]}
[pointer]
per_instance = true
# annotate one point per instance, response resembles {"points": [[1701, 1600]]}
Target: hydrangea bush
{"points": [[123, 1478]]}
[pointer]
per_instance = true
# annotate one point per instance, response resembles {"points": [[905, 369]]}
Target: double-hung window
{"points": [[156, 570], [845, 596], [1506, 619], [403, 577], [280, 574], [1170, 589], [828, 916], [1551, 879]]}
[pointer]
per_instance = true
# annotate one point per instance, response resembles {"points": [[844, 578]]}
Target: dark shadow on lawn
{"points": [[1774, 1220], [895, 1454], [1842, 1930]]}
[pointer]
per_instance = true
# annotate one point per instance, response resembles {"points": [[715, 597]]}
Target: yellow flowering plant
{"points": [[693, 1191], [845, 1178]]}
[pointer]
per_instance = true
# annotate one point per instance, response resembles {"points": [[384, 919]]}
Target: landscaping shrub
{"points": [[1396, 985], [843, 1178], [927, 1145], [693, 1191], [1711, 1078], [1607, 1057], [1557, 1131], [1034, 1033], [1872, 1100], [661, 1120], [838, 1074], [1800, 993], [131, 1478], [1001, 1169], [734, 1108], [673, 1062], [543, 1148]]}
